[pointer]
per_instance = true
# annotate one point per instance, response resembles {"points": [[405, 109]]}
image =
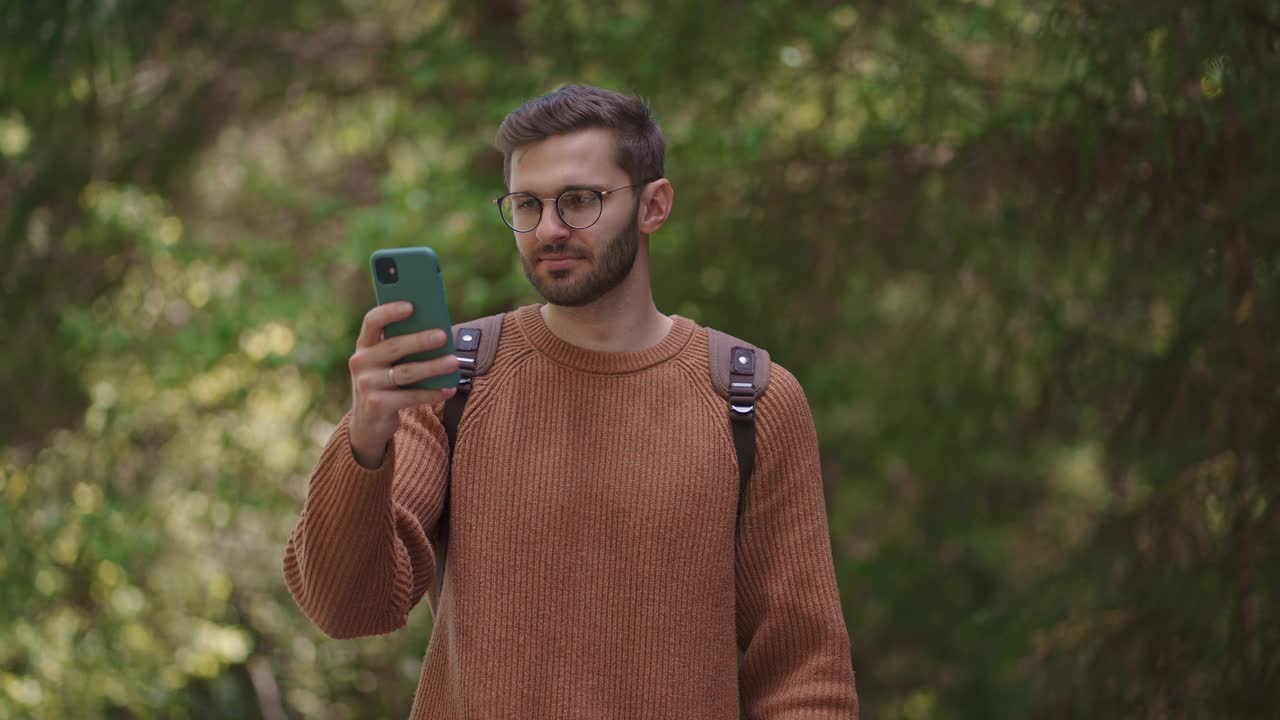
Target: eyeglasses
{"points": [[579, 208]]}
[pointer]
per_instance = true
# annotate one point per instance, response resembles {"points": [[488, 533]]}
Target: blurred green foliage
{"points": [[1024, 256]]}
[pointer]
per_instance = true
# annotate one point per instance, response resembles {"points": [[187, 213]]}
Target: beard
{"points": [[575, 287]]}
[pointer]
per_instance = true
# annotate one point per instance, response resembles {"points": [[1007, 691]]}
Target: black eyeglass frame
{"points": [[542, 205]]}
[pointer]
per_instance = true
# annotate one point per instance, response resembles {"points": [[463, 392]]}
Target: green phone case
{"points": [[419, 282]]}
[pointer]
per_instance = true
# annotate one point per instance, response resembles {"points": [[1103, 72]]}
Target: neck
{"points": [[624, 320]]}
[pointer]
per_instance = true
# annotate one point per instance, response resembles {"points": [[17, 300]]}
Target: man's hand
{"points": [[377, 395]]}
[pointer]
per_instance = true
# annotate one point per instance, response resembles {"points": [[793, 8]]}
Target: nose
{"points": [[551, 229]]}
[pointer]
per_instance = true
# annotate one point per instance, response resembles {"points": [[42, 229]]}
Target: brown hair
{"points": [[640, 147]]}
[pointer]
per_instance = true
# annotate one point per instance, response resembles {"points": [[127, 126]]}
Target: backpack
{"points": [[739, 372]]}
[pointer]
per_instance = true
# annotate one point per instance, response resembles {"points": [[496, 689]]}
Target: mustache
{"points": [[561, 250]]}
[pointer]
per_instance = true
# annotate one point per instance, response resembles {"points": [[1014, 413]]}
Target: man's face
{"points": [[569, 266]]}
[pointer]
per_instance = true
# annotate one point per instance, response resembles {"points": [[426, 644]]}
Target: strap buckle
{"points": [[742, 386], [467, 343], [742, 401]]}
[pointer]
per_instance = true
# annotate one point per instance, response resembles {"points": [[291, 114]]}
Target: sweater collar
{"points": [[535, 330]]}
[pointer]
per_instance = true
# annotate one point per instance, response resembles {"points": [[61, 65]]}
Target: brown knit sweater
{"points": [[592, 571]]}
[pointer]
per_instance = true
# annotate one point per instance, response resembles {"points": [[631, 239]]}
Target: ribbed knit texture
{"points": [[592, 572]]}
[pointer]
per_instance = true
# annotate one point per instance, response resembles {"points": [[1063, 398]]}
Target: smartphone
{"points": [[413, 274]]}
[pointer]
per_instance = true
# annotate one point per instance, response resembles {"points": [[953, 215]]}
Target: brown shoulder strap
{"points": [[721, 347], [476, 345], [740, 373], [477, 341]]}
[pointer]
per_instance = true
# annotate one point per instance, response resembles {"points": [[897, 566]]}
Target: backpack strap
{"points": [[476, 345], [740, 373]]}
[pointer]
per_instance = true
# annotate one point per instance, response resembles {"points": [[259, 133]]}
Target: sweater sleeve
{"points": [[358, 559], [795, 647]]}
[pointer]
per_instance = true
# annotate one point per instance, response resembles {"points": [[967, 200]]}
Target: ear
{"points": [[655, 205]]}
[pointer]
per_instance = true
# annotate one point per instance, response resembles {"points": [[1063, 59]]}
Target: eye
{"points": [[526, 203], [578, 199]]}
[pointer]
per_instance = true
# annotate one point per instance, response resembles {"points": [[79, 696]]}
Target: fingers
{"points": [[378, 318], [370, 376], [409, 373], [379, 408], [372, 351], [392, 349]]}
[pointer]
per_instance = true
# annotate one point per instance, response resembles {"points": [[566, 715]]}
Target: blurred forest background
{"points": [[1024, 256]]}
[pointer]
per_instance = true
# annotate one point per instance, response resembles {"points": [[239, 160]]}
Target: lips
{"points": [[557, 262]]}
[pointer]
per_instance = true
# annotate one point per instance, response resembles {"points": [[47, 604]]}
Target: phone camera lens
{"points": [[386, 270]]}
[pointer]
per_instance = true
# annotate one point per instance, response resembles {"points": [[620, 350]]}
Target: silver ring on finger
{"points": [[391, 375]]}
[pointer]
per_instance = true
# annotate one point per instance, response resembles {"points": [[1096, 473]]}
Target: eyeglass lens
{"points": [[578, 209]]}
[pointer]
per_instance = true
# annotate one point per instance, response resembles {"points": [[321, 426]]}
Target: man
{"points": [[592, 569]]}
